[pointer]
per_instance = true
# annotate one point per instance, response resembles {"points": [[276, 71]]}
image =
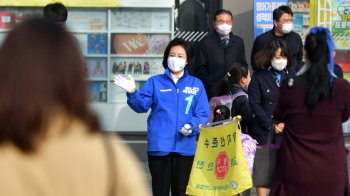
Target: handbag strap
{"points": [[272, 135], [110, 165]]}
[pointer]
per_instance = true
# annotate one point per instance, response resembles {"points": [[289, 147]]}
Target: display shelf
{"points": [[5, 30], [95, 55], [136, 55], [301, 10], [138, 40], [96, 79], [88, 31], [141, 32]]}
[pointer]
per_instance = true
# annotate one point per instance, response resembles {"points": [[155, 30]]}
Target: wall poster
{"points": [[263, 9], [152, 44], [97, 91]]}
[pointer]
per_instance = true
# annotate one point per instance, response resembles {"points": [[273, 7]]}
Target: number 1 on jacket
{"points": [[189, 99]]}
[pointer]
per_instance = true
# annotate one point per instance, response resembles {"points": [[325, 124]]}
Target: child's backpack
{"points": [[222, 100]]}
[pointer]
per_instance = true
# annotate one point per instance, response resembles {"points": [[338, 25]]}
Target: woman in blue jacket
{"points": [[178, 102]]}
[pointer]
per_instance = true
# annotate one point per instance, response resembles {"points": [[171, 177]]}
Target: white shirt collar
{"points": [[302, 70], [176, 78]]}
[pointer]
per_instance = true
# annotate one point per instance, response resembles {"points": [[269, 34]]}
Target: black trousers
{"points": [[170, 170]]}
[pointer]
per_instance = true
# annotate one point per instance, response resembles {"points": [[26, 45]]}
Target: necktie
{"points": [[275, 75], [225, 41]]}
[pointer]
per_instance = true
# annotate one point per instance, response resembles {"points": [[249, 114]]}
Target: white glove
{"points": [[127, 85], [184, 130]]}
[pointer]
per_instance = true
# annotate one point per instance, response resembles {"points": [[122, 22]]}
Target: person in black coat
{"points": [[274, 64], [218, 52], [237, 81], [283, 24]]}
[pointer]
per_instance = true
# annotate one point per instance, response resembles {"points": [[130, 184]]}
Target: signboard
{"points": [[263, 20], [152, 44], [219, 166], [67, 3], [298, 23], [341, 24], [91, 3], [147, 3]]}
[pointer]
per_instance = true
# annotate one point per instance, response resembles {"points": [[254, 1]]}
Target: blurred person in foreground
{"points": [[50, 143], [313, 105]]}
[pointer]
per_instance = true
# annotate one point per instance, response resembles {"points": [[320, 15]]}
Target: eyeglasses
{"points": [[220, 22]]}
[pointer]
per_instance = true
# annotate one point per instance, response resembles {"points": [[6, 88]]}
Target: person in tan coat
{"points": [[50, 143]]}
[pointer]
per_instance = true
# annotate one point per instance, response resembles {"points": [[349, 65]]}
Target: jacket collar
{"points": [[216, 39], [284, 37], [167, 72], [236, 88]]}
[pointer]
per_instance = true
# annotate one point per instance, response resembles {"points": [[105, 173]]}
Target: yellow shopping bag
{"points": [[219, 166]]}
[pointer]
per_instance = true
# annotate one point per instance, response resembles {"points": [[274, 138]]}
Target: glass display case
{"points": [[113, 41]]}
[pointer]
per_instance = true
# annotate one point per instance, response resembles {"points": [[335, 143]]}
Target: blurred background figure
{"points": [[57, 13], [313, 106], [50, 143]]}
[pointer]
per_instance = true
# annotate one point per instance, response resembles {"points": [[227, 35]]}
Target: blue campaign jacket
{"points": [[173, 106]]}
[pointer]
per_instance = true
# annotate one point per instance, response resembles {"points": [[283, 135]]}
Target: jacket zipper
{"points": [[177, 108], [177, 115]]}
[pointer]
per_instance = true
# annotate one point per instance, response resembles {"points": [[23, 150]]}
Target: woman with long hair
{"points": [[274, 64], [312, 158], [50, 142]]}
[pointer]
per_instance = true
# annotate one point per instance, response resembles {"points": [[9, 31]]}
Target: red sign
{"points": [[221, 165]]}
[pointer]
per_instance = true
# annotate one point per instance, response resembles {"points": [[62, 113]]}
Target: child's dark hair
{"points": [[237, 72], [319, 77], [55, 12], [221, 112]]}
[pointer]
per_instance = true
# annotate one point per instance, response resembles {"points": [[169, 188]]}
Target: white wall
{"points": [[243, 21]]}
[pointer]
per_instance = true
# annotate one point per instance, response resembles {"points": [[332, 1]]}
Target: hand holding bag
{"points": [[265, 161]]}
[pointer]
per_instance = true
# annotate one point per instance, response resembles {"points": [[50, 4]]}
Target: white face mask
{"points": [[224, 29], [279, 65], [286, 28], [176, 64], [247, 84]]}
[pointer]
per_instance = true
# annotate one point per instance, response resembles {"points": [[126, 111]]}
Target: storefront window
{"points": [[113, 41]]}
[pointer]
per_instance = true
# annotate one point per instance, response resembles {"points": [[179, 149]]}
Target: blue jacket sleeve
{"points": [[255, 104], [201, 112], [141, 101]]}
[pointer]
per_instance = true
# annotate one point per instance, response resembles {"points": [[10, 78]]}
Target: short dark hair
{"points": [[185, 45], [277, 13], [51, 74], [55, 12], [262, 59], [219, 12]]}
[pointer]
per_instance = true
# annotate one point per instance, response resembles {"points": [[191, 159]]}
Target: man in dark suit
{"points": [[218, 52], [283, 24]]}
